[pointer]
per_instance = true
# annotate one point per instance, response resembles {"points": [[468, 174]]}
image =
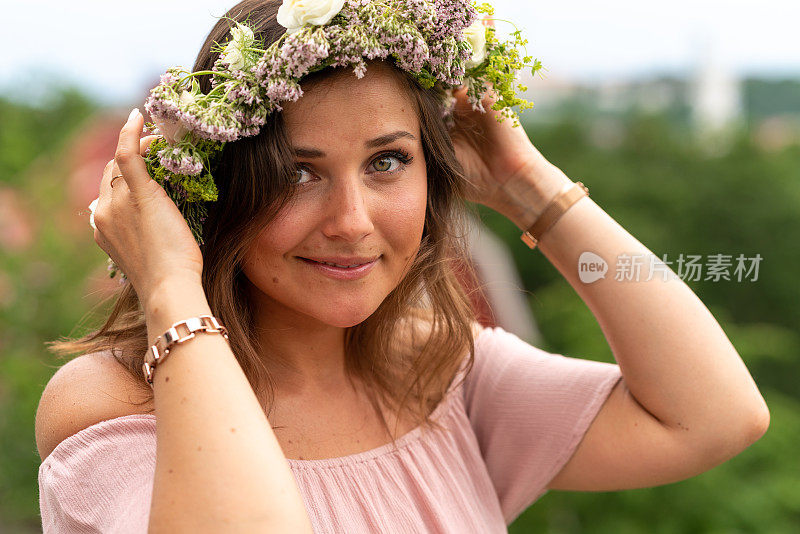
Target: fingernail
{"points": [[135, 113]]}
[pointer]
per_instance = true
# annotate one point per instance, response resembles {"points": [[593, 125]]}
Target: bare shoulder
{"points": [[84, 391]]}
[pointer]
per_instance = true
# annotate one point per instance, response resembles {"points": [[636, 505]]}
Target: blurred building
{"points": [[710, 100], [715, 92]]}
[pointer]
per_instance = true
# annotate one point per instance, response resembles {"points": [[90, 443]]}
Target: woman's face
{"points": [[360, 204]]}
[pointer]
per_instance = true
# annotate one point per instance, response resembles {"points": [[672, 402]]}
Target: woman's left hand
{"points": [[498, 157], [491, 153]]}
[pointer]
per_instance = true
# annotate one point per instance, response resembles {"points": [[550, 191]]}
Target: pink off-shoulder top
{"points": [[509, 429]]}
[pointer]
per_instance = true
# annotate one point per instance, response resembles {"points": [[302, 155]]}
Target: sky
{"points": [[116, 50]]}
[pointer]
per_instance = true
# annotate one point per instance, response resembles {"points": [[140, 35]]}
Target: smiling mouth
{"points": [[345, 264]]}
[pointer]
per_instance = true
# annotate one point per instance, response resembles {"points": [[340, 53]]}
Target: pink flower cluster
{"points": [[210, 119], [180, 160], [424, 37]]}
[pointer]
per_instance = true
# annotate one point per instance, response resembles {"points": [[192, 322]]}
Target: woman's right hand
{"points": [[138, 225]]}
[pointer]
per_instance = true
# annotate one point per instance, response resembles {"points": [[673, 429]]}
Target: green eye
{"points": [[297, 177], [382, 164], [384, 159]]}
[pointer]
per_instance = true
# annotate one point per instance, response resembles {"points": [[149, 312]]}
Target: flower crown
{"points": [[442, 43]]}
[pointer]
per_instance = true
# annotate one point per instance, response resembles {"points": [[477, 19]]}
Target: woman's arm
{"points": [[219, 467], [674, 356], [686, 401]]}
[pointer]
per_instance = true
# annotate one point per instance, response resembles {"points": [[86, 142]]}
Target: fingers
{"points": [[99, 205], [128, 155], [105, 181], [144, 144], [104, 198], [102, 204], [112, 169]]}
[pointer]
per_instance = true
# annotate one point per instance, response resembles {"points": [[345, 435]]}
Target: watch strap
{"points": [[553, 212]]}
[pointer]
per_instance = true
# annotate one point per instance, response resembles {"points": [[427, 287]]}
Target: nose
{"points": [[348, 210]]}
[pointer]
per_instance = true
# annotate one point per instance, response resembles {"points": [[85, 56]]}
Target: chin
{"points": [[346, 316], [347, 321], [346, 324]]}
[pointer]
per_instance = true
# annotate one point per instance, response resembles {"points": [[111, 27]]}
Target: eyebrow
{"points": [[305, 152]]}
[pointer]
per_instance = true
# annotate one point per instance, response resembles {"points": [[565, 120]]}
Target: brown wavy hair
{"points": [[409, 350]]}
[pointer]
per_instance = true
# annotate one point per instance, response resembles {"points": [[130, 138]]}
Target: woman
{"points": [[328, 259]]}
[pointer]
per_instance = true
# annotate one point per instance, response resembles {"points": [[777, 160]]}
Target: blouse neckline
{"points": [[412, 436], [400, 443], [403, 441]]}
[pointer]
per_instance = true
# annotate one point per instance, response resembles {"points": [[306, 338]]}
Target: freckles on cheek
{"points": [[404, 218], [414, 204], [264, 259], [281, 236]]}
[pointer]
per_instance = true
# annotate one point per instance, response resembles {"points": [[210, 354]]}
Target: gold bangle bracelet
{"points": [[554, 210], [159, 350]]}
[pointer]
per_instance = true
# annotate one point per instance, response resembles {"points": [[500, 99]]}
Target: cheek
{"points": [[403, 218], [282, 234]]}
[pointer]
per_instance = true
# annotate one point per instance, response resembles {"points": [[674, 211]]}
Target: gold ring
{"points": [[114, 178]]}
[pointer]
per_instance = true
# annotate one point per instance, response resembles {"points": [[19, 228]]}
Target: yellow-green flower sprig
{"points": [[500, 68], [190, 193]]}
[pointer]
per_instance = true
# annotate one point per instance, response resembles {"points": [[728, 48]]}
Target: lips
{"points": [[342, 268], [342, 262]]}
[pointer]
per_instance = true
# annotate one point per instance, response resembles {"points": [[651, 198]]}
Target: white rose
{"points": [[294, 14], [172, 130], [476, 37]]}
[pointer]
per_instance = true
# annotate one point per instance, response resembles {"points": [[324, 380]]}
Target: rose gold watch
{"points": [[554, 210]]}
